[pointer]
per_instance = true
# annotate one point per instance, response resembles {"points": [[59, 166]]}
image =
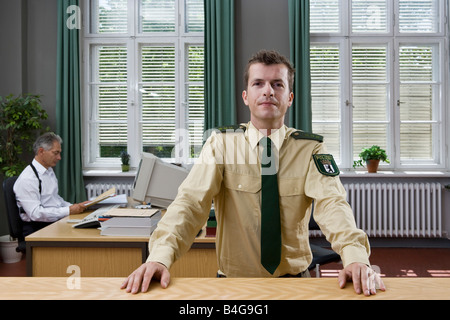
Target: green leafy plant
{"points": [[372, 153], [20, 123], [125, 157]]}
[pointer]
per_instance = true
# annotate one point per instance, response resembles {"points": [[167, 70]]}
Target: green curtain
{"points": [[68, 113], [220, 91], [300, 114]]}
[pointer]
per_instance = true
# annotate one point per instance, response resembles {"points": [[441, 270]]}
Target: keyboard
{"points": [[91, 220]]}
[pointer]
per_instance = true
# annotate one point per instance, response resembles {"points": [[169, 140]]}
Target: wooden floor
{"points": [[393, 262]]}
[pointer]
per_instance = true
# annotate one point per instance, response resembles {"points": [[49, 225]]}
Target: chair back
{"points": [[15, 223]]}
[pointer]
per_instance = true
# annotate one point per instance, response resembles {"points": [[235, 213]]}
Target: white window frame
{"points": [[133, 40], [344, 39]]}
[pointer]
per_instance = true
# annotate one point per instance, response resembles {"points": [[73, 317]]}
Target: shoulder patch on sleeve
{"points": [[298, 135], [326, 165]]}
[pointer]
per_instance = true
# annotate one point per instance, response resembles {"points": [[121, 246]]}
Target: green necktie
{"points": [[270, 210]]}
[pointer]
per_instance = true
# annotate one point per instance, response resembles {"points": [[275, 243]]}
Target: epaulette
{"points": [[298, 135], [233, 128]]}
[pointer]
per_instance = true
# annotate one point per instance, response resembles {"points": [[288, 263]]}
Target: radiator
{"points": [[381, 209], [397, 209], [95, 189]]}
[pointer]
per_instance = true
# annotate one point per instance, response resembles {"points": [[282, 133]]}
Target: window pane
{"points": [[332, 137], [326, 91], [112, 64], [196, 101], [417, 100], [369, 67], [366, 135], [369, 63], [109, 16], [369, 16], [157, 93], [325, 82], [324, 16], [370, 92], [195, 16], [370, 102], [421, 16], [157, 16], [416, 141], [109, 97], [416, 63]]}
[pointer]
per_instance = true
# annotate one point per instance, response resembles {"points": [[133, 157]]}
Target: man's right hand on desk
{"points": [[143, 275]]}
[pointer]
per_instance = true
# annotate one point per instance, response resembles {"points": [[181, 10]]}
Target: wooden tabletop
{"points": [[35, 288]]}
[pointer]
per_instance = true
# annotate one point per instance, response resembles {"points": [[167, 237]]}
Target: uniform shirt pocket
{"points": [[240, 182]]}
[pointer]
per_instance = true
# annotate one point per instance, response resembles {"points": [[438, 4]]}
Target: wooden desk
{"points": [[222, 289], [50, 251]]}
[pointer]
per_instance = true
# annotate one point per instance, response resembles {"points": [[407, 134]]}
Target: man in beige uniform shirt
{"points": [[228, 172]]}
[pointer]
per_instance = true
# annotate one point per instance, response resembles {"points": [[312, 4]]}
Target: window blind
{"points": [[416, 101], [196, 102], [325, 16], [158, 95], [158, 16], [325, 94], [194, 15], [370, 96], [418, 16], [109, 91], [369, 16], [111, 16]]}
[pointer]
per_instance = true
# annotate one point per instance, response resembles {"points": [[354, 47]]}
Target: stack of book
{"points": [[129, 222]]}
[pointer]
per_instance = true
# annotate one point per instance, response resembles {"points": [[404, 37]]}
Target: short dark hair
{"points": [[46, 141], [268, 58]]}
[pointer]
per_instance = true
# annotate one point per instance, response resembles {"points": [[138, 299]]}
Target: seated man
{"points": [[36, 188]]}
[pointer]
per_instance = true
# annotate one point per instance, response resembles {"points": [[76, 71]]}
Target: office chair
{"points": [[321, 255], [12, 211]]}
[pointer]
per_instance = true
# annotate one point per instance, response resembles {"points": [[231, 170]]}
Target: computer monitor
{"points": [[156, 181]]}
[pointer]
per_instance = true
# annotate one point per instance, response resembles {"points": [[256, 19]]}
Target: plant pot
{"points": [[125, 167], [372, 166]]}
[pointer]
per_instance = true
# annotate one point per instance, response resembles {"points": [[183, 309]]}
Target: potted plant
{"points": [[372, 157], [125, 157], [20, 123]]}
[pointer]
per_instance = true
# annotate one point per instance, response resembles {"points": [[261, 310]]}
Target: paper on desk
{"points": [[111, 192], [120, 199], [129, 212]]}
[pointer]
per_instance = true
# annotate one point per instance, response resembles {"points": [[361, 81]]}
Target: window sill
{"points": [[395, 174], [108, 173]]}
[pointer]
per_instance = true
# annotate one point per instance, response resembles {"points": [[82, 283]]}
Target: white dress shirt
{"points": [[47, 206]]}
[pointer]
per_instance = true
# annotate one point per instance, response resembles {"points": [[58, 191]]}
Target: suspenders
{"points": [[37, 176]]}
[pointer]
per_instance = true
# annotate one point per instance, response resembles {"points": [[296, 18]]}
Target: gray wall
{"points": [[28, 36]]}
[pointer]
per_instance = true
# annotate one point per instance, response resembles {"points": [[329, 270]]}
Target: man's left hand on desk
{"points": [[143, 275], [365, 280]]}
